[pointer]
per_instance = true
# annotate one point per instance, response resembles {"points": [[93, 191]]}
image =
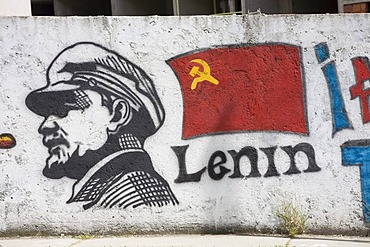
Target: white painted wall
{"points": [[331, 197], [15, 8]]}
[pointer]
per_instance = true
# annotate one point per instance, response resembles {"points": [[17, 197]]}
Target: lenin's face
{"points": [[69, 137]]}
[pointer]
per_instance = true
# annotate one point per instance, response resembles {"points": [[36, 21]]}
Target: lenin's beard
{"points": [[61, 163]]}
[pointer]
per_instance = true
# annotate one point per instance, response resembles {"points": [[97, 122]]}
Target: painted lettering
{"points": [[306, 149], [252, 155], [219, 158], [362, 73], [340, 117], [212, 165], [271, 170], [183, 177], [357, 153]]}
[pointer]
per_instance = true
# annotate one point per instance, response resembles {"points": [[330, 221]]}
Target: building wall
{"points": [[239, 113], [268, 7], [126, 8], [15, 8]]}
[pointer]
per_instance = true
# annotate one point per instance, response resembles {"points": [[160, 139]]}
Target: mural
{"points": [[249, 89], [258, 87], [105, 154], [261, 88], [99, 109], [151, 127]]}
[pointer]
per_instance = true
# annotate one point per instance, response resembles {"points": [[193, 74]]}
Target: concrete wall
{"points": [[183, 124]]}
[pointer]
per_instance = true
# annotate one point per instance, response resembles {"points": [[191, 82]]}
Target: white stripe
{"points": [[115, 192]]}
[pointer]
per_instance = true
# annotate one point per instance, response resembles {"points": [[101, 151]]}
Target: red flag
{"points": [[242, 88]]}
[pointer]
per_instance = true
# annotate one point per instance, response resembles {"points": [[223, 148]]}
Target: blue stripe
{"points": [[360, 156], [340, 117], [322, 52]]}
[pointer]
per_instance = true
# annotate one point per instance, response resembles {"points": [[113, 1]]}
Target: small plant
{"points": [[292, 220], [84, 236], [280, 245]]}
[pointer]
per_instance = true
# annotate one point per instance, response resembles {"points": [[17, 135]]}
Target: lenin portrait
{"points": [[98, 110]]}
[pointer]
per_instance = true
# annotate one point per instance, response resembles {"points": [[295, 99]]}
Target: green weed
{"points": [[292, 221], [84, 236]]}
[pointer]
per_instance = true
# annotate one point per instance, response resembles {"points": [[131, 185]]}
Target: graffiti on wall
{"points": [[7, 141], [354, 152], [339, 114], [225, 89], [357, 153], [361, 90], [261, 87], [105, 154], [242, 88], [219, 158]]}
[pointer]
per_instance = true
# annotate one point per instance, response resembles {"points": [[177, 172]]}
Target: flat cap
{"points": [[87, 65]]}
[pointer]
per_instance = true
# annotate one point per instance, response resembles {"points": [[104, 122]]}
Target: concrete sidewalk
{"points": [[188, 240]]}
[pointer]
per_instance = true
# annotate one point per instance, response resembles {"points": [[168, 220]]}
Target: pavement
{"points": [[186, 241]]}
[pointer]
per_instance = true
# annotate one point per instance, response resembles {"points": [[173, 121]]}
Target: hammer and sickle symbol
{"points": [[201, 76]]}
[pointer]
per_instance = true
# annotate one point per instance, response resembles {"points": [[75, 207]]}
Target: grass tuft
{"points": [[84, 236], [292, 221]]}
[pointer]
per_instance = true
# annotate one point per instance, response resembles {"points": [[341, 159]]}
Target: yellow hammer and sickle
{"points": [[201, 76]]}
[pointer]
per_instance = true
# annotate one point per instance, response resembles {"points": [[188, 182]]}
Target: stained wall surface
{"points": [[184, 124]]}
